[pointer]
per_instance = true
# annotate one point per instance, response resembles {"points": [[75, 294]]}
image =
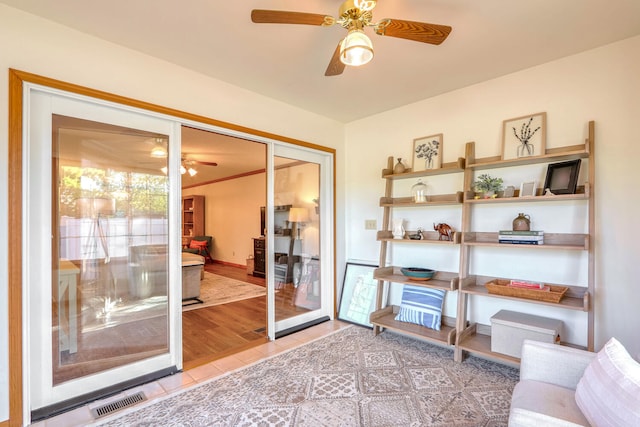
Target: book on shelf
{"points": [[521, 233], [527, 284], [530, 238], [521, 242]]}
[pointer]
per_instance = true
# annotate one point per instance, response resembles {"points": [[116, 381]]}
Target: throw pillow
{"points": [[198, 244], [422, 306], [608, 394]]}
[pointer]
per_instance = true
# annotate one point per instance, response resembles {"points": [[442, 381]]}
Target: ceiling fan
{"points": [[354, 15]]}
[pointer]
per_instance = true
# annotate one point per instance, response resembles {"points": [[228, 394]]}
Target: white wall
{"points": [[232, 215], [31, 44], [600, 85]]}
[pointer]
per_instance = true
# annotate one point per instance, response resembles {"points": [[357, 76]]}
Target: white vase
{"points": [[398, 229]]}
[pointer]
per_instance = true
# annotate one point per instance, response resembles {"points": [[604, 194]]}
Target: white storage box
{"points": [[510, 328]]}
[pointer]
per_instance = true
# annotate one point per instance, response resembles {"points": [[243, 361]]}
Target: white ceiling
{"points": [[490, 38]]}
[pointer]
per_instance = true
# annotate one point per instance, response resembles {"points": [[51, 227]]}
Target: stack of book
{"points": [[533, 237]]}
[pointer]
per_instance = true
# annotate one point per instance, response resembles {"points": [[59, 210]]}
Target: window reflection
{"points": [[110, 248]]}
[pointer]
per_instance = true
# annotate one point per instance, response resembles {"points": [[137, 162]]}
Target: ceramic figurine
{"points": [[444, 230]]}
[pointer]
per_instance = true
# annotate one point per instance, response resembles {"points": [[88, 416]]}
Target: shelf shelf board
{"points": [[385, 318], [428, 238], [552, 155], [452, 167], [529, 199], [444, 280], [481, 344], [433, 200], [576, 298], [571, 241]]}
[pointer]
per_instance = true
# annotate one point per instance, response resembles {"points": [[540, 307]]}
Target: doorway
{"points": [[230, 182]]}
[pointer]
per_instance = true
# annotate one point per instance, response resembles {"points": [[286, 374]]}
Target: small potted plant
{"points": [[487, 185]]}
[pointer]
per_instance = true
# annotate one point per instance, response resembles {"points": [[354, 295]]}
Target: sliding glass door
{"points": [[102, 273], [301, 240]]}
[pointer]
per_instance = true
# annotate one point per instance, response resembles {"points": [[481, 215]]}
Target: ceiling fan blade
{"points": [[261, 16], [204, 163], [336, 67], [416, 31]]}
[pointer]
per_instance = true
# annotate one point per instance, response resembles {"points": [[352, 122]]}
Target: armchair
{"points": [[563, 386], [200, 245]]}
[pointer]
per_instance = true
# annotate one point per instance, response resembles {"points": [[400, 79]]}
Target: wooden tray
{"points": [[499, 287]]}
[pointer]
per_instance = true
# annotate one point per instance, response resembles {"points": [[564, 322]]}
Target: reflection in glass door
{"points": [[302, 242], [296, 238], [110, 244]]}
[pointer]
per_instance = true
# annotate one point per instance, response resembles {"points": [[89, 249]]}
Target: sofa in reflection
{"points": [[148, 266]]}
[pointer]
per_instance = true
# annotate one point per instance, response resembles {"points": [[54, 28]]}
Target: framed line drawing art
{"points": [[524, 136], [427, 153], [358, 297], [562, 178]]}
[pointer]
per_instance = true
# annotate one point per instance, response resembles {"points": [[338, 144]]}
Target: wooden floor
{"points": [[212, 333]]}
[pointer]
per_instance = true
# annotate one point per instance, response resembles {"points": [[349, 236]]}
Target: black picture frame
{"points": [[358, 296], [562, 178]]}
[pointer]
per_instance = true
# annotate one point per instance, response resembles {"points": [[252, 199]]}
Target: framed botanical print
{"points": [[427, 153], [524, 136]]}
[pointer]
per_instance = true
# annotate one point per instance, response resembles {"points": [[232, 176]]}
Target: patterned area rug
{"points": [[349, 378], [216, 290]]}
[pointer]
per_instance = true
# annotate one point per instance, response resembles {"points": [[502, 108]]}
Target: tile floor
{"points": [[166, 386]]}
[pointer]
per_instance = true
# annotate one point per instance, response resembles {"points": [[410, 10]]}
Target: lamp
{"points": [[159, 150], [296, 216], [356, 48]]}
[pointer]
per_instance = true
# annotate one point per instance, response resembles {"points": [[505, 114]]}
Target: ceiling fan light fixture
{"points": [[356, 48], [192, 171], [159, 151]]}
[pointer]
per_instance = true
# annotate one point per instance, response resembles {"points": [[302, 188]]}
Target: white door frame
{"points": [[325, 161], [39, 104]]}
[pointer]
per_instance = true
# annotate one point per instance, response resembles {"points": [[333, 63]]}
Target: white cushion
{"points": [[537, 404], [609, 391]]}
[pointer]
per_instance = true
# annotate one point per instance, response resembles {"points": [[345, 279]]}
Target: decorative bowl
{"points": [[417, 273]]}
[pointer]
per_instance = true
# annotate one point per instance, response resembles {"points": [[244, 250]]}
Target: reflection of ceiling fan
{"points": [[354, 15], [187, 166]]}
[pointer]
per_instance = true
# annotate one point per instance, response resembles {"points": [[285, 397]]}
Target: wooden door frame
{"points": [[17, 79]]}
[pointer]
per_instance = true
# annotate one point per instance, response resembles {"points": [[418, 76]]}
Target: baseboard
{"points": [[230, 264]]}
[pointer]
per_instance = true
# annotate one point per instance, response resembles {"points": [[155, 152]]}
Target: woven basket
{"points": [[499, 287]]}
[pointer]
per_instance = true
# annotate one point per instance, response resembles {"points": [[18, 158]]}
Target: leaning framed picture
{"points": [[358, 294], [524, 136], [562, 178], [528, 189], [427, 153]]}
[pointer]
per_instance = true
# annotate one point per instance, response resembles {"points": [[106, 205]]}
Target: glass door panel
{"points": [[110, 245], [301, 241], [296, 238]]}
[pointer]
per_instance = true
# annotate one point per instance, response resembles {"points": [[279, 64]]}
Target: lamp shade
{"points": [[356, 49], [298, 215]]}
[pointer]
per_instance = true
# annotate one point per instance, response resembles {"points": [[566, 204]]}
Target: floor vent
{"points": [[115, 406], [259, 330]]}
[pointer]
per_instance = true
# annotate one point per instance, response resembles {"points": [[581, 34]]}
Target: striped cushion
{"points": [[608, 394], [422, 306]]}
